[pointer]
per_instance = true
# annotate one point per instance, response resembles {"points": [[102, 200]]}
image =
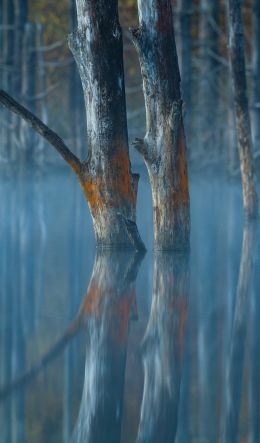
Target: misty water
{"points": [[113, 347]]}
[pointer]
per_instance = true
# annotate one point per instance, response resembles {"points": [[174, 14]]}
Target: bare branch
{"points": [[8, 102], [140, 145]]}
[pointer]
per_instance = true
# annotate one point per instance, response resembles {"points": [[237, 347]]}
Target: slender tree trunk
{"points": [[41, 87], [7, 75], [164, 145], [108, 183], [28, 86], [209, 76], [185, 11], [244, 136], [256, 72]]}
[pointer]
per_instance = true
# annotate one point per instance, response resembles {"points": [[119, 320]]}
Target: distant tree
{"points": [[208, 98], [163, 147], [185, 19], [243, 126], [256, 71], [105, 176]]}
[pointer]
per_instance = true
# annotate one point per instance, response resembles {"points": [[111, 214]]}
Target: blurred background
{"points": [[37, 68]]}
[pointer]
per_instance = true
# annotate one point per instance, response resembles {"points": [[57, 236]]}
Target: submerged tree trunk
{"points": [[105, 176], [256, 72], [244, 136], [164, 145], [107, 181]]}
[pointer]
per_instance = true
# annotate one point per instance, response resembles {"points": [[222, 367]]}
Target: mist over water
{"points": [[168, 347]]}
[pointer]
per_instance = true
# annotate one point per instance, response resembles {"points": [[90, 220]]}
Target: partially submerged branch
{"points": [[8, 102]]}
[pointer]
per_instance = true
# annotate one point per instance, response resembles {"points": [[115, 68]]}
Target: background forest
{"points": [[39, 70], [182, 330]]}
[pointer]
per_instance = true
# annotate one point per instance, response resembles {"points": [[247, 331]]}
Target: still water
{"points": [[109, 347]]}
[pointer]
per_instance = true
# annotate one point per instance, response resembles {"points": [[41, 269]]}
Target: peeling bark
{"points": [[108, 184], [164, 145], [243, 126]]}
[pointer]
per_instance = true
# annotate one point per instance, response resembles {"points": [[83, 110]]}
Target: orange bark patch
{"points": [[120, 171]]}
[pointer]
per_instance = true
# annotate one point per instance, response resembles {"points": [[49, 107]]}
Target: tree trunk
{"points": [[185, 10], [244, 136], [76, 98], [209, 80], [256, 72], [28, 86], [164, 145], [108, 183], [7, 75]]}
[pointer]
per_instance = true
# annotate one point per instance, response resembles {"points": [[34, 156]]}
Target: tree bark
{"points": [[108, 183], [164, 145], [76, 98], [243, 126], [256, 72], [185, 11]]}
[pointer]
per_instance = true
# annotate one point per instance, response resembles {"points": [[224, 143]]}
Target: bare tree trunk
{"points": [[28, 86], [108, 183], [209, 76], [185, 10], [256, 72], [244, 136], [164, 145], [76, 98], [7, 75], [105, 176], [41, 87]]}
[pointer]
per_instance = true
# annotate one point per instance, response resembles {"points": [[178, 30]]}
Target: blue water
{"points": [[168, 346]]}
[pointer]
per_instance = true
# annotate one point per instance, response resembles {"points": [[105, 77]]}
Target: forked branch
{"points": [[8, 102]]}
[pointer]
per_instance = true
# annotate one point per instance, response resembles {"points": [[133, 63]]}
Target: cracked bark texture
{"points": [[109, 186], [243, 126], [164, 145]]}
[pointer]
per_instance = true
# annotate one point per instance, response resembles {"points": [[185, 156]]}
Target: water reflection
{"points": [[186, 371], [111, 299], [162, 349], [236, 361]]}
